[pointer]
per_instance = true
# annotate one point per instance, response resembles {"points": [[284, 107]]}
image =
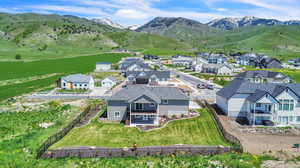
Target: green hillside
{"points": [[282, 42], [36, 36], [179, 28]]}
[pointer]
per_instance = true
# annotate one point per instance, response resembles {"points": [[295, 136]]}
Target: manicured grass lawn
{"points": [[201, 130]]}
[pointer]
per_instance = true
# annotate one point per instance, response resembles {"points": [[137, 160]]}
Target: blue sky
{"points": [[130, 12]]}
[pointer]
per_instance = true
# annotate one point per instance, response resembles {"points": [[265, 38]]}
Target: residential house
{"points": [[261, 103], [249, 59], [147, 77], [133, 64], [77, 81], [261, 76], [217, 69], [270, 63], [150, 57], [109, 82], [210, 58], [103, 66], [181, 60], [295, 61], [145, 105]]}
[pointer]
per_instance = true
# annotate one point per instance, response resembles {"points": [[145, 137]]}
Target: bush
{"points": [[18, 57]]}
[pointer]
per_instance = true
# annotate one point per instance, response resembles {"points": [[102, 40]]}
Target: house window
{"points": [[85, 84], [258, 104], [165, 101], [286, 105], [139, 106], [75, 84], [152, 105], [64, 84], [117, 114], [298, 119]]}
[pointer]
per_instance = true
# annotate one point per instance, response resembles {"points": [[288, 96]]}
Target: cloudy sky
{"points": [[130, 12]]}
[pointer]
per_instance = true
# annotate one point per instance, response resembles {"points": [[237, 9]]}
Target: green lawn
{"points": [[201, 130]]}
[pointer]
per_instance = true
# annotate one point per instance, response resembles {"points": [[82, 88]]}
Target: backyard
{"points": [[201, 130]]}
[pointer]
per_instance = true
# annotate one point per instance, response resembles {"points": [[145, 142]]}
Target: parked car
{"points": [[211, 87], [177, 76], [201, 86], [205, 86]]}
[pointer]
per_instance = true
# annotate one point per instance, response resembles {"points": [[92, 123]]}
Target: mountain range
{"points": [[38, 36], [232, 23]]}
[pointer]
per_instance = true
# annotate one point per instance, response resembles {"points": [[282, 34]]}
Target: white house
{"points": [[103, 66], [109, 82], [181, 60], [261, 103], [77, 81], [217, 69], [262, 76]]}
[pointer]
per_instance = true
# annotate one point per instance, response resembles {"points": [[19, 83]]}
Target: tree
{"points": [[18, 57]]}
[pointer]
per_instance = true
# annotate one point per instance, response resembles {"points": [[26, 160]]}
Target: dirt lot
{"points": [[277, 145]]}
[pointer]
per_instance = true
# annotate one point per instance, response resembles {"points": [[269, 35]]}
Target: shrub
{"points": [[18, 57]]}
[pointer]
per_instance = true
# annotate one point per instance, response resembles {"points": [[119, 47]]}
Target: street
{"points": [[207, 94]]}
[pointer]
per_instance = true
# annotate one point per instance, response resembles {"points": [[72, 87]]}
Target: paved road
{"points": [[207, 94]]}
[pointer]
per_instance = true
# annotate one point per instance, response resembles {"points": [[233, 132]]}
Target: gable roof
{"points": [[149, 74], [111, 78], [260, 73], [79, 78], [133, 92], [241, 86]]}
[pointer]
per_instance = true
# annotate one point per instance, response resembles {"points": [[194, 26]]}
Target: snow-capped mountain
{"points": [[232, 23], [133, 27], [109, 22]]}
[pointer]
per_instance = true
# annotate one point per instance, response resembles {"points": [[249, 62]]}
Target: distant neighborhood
{"points": [[147, 93]]}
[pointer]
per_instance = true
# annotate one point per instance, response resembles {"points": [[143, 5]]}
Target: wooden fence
{"points": [[104, 152], [228, 136], [63, 132]]}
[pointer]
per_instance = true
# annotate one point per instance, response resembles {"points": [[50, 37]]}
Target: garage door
{"points": [[176, 112]]}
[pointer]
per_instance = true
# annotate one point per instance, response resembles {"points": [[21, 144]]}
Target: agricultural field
{"points": [[201, 130], [41, 74]]}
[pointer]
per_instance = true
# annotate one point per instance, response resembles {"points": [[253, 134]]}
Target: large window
{"points": [[117, 114], [286, 105], [139, 106], [298, 119]]}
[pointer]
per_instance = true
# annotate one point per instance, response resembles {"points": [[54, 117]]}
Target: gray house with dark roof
{"points": [[261, 76], [77, 81], [144, 105], [261, 103], [147, 77], [133, 64]]}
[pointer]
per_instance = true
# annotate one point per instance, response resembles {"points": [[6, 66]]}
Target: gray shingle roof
{"points": [[111, 78], [149, 74], [261, 73], [79, 78], [157, 94], [241, 86]]}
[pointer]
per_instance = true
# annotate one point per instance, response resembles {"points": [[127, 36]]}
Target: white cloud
{"points": [[131, 14], [72, 9]]}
